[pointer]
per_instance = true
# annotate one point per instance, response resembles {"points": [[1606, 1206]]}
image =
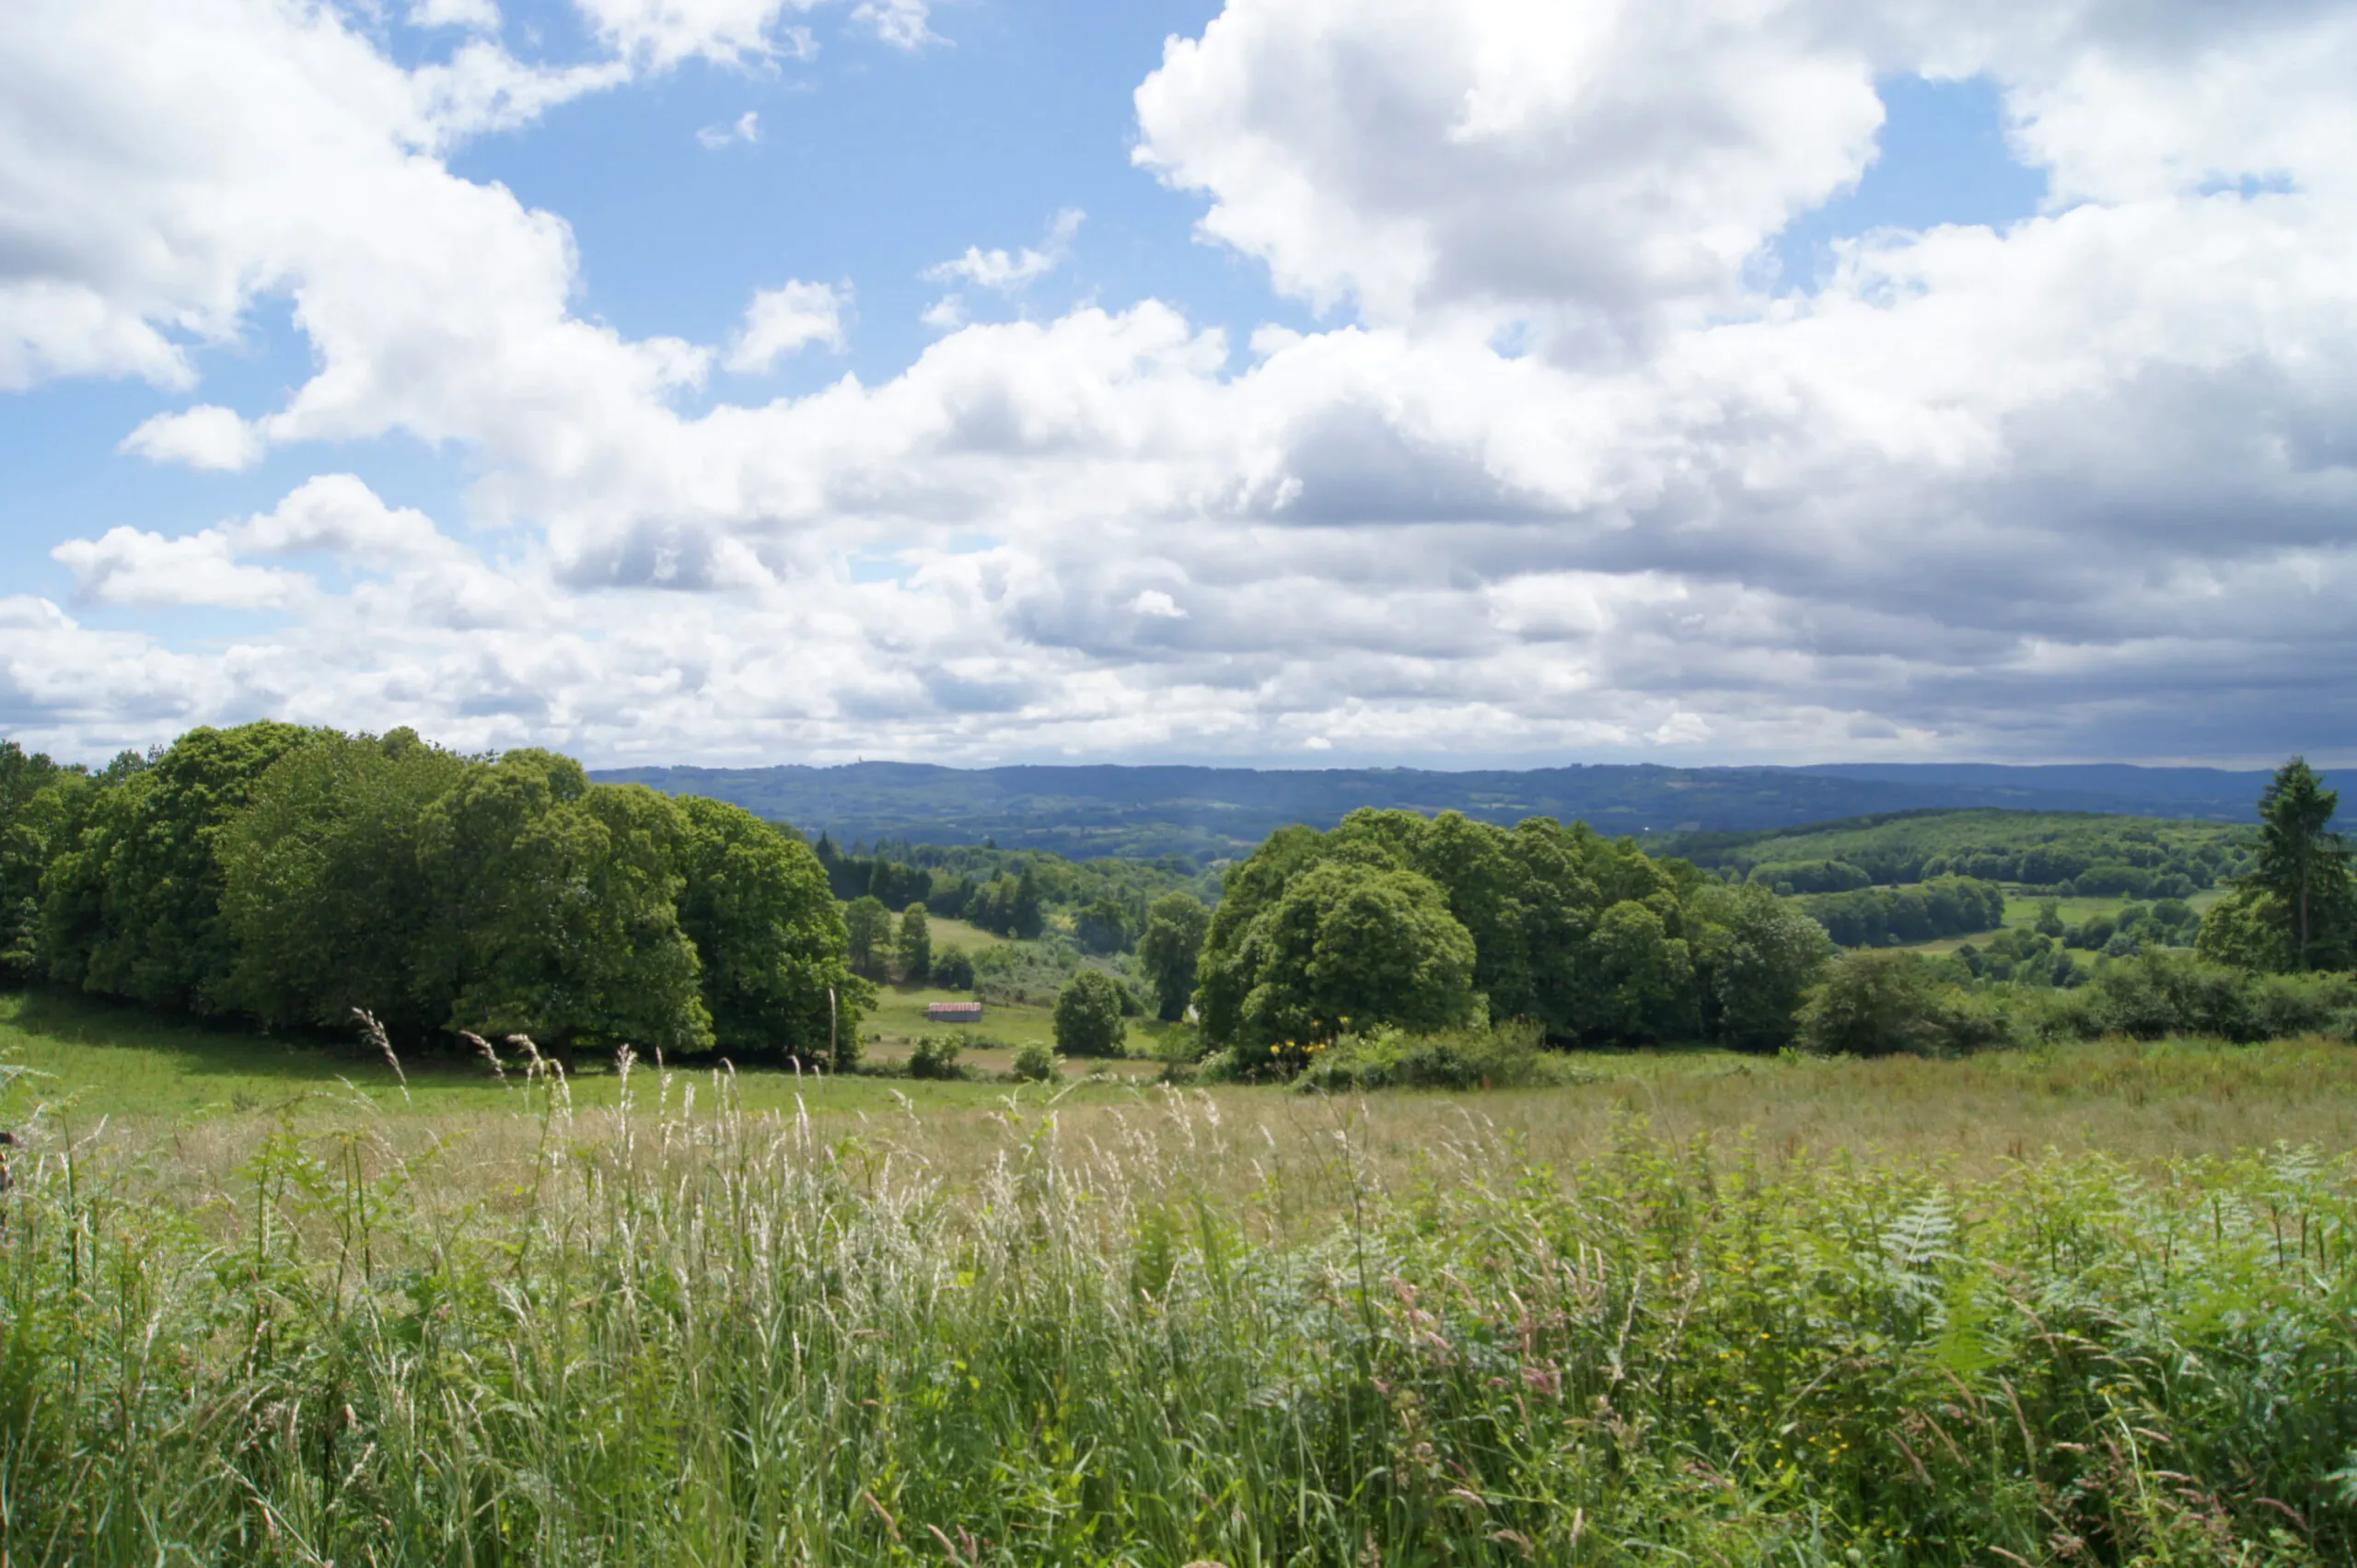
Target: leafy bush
{"points": [[1223, 1066], [2161, 993], [1089, 1015], [1036, 1063], [2091, 933], [2285, 1006], [953, 970], [1886, 1003], [1507, 1056], [1025, 971], [935, 1056]]}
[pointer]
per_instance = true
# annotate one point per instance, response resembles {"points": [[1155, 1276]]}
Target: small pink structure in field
{"points": [[954, 1011]]}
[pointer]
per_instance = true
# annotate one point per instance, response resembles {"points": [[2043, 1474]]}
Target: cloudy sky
{"points": [[1285, 381]]}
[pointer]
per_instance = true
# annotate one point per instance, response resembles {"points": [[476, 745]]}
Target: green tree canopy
{"points": [[1532, 900], [769, 936], [1104, 926], [867, 925], [2303, 868], [915, 950], [42, 809], [1175, 928], [323, 888], [1088, 1016], [1884, 1004], [1758, 955], [137, 912], [559, 909], [953, 970], [1345, 940]]}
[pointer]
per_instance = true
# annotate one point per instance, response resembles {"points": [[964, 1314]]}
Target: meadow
{"points": [[263, 1304]]}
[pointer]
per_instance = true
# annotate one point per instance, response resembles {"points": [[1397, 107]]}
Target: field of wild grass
{"points": [[2095, 1306]]}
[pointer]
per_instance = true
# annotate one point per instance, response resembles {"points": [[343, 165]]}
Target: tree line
{"points": [[1429, 924], [2063, 854], [1015, 893], [291, 876], [1399, 921], [1875, 917]]}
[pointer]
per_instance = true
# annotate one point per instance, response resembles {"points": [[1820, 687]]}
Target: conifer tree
{"points": [[2301, 863]]}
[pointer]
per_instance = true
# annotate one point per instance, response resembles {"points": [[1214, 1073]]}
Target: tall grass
{"points": [[690, 1333]]}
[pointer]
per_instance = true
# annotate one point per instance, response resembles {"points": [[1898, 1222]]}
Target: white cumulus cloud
{"points": [[481, 15], [130, 566], [783, 321], [728, 32], [1011, 272], [205, 437]]}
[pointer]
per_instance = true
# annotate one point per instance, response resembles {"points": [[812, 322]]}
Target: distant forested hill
{"points": [[2072, 853], [1216, 813]]}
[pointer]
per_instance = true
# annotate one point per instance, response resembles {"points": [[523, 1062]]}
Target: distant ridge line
{"points": [[1205, 812]]}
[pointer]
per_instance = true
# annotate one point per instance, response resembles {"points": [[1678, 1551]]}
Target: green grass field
{"points": [[899, 1017], [948, 932], [120, 1060], [2021, 912], [2063, 1307]]}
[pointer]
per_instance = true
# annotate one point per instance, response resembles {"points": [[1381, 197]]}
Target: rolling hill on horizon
{"points": [[1208, 813]]}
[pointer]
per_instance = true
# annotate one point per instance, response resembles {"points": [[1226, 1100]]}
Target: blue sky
{"points": [[870, 166], [1499, 382]]}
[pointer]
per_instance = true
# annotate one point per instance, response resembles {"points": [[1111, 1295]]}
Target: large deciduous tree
{"points": [[867, 925], [557, 909], [1175, 928], [323, 888], [1088, 1016], [758, 906], [1104, 926], [1757, 955], [913, 951], [136, 911], [1348, 941], [42, 806], [1588, 937]]}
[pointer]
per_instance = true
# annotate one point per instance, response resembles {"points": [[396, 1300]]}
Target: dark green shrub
{"points": [[935, 1056], [2156, 995], [953, 970], [2159, 994], [1025, 971], [2091, 932], [1505, 1057], [1886, 1004], [2285, 1006], [1089, 1015], [1035, 1063]]}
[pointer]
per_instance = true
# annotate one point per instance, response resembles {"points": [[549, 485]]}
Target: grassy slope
{"points": [[1930, 833], [116, 1060], [2141, 1103], [1250, 1330], [2022, 910], [948, 932]]}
